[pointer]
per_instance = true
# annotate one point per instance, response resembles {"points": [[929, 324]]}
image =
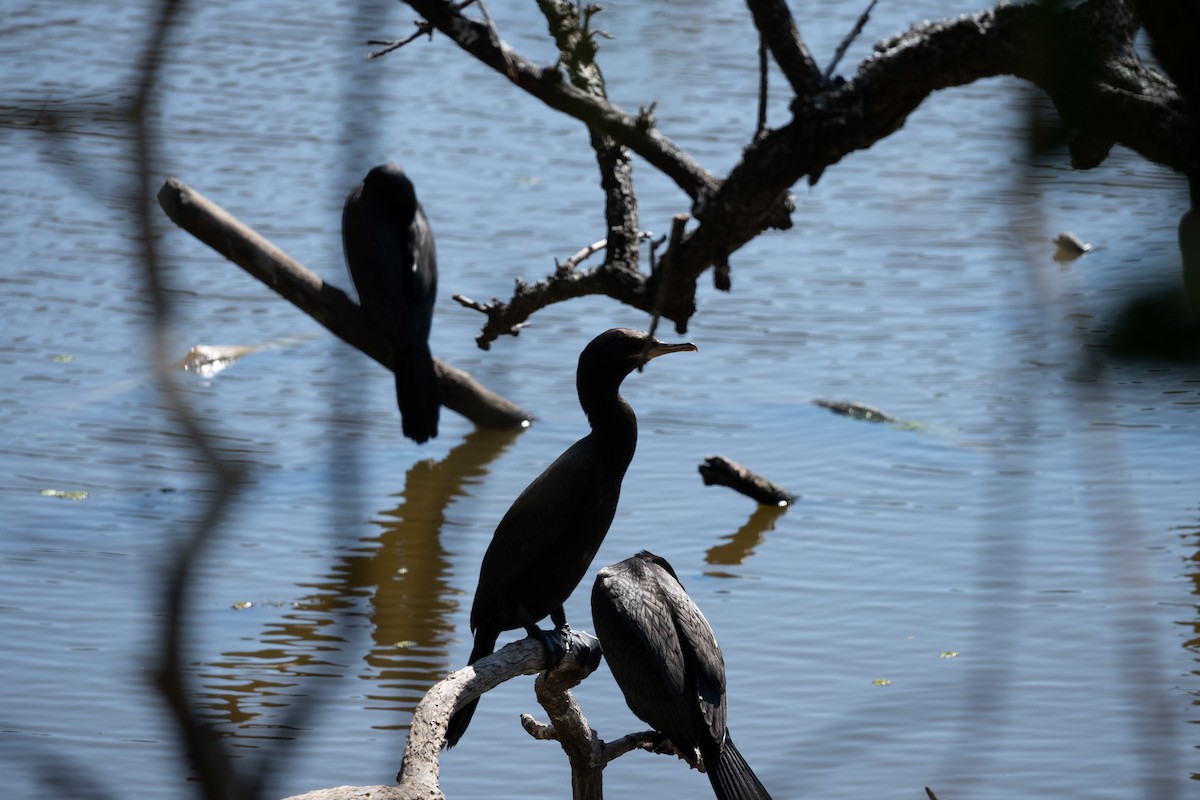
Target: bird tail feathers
{"points": [[417, 392], [732, 778], [485, 643]]}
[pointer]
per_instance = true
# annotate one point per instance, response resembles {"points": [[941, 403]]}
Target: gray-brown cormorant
{"points": [[389, 249], [544, 544], [665, 658]]}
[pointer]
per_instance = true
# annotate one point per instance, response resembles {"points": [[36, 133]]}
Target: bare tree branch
{"points": [[576, 43], [637, 132], [1082, 57], [778, 31], [850, 37], [218, 779], [418, 776]]}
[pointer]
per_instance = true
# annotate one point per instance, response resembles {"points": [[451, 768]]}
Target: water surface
{"points": [[996, 600]]}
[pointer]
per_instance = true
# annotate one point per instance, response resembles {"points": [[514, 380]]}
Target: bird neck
{"points": [[613, 423]]}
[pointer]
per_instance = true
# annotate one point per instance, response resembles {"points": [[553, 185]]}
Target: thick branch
{"points": [[1094, 78], [327, 304], [418, 775], [778, 30]]}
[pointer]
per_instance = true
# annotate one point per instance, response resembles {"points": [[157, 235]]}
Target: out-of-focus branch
{"points": [[218, 779], [327, 304]]}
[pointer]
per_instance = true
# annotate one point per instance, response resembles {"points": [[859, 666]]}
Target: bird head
{"points": [[619, 351], [389, 183]]}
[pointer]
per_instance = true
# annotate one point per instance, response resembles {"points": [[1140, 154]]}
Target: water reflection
{"points": [[1192, 644], [412, 599], [735, 549], [402, 571]]}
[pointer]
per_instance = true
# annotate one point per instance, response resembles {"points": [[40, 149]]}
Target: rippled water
{"points": [[1037, 517]]}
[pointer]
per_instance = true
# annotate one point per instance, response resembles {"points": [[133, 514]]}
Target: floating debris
{"points": [[78, 494], [856, 410], [1070, 247], [882, 682], [948, 654], [63, 358], [207, 360], [242, 605]]}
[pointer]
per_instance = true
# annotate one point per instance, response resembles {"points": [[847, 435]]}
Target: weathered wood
{"points": [[418, 775], [325, 303], [721, 471]]}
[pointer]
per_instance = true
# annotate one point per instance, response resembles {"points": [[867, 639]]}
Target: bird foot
{"points": [[552, 641]]}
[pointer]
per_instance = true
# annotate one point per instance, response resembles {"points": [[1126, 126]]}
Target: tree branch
{"points": [[325, 303], [1083, 57], [778, 31], [418, 776], [637, 132], [576, 43]]}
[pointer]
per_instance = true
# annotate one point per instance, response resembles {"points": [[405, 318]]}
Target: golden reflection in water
{"points": [[402, 569], [740, 546]]}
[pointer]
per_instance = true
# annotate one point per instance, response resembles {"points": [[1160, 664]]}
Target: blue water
{"points": [[1038, 517]]}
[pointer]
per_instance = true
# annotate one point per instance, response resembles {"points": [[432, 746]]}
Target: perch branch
{"points": [[325, 303], [721, 471], [419, 771]]}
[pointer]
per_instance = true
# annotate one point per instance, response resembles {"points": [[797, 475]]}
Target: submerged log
{"points": [[723, 472]]}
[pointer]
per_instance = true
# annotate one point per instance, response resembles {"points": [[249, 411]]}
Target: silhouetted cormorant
{"points": [[665, 658], [544, 544], [389, 249]]}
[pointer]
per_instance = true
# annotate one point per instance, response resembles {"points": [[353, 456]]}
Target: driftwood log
{"points": [[721, 471], [322, 301]]}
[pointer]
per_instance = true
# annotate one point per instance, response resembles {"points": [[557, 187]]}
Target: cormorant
{"points": [[544, 544], [389, 250], [665, 658]]}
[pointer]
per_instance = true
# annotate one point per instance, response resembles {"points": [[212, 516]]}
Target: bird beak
{"points": [[655, 348]]}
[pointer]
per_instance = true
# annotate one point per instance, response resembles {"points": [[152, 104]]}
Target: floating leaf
{"points": [[882, 682], [404, 644], [63, 358], [948, 654], [242, 604]]}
